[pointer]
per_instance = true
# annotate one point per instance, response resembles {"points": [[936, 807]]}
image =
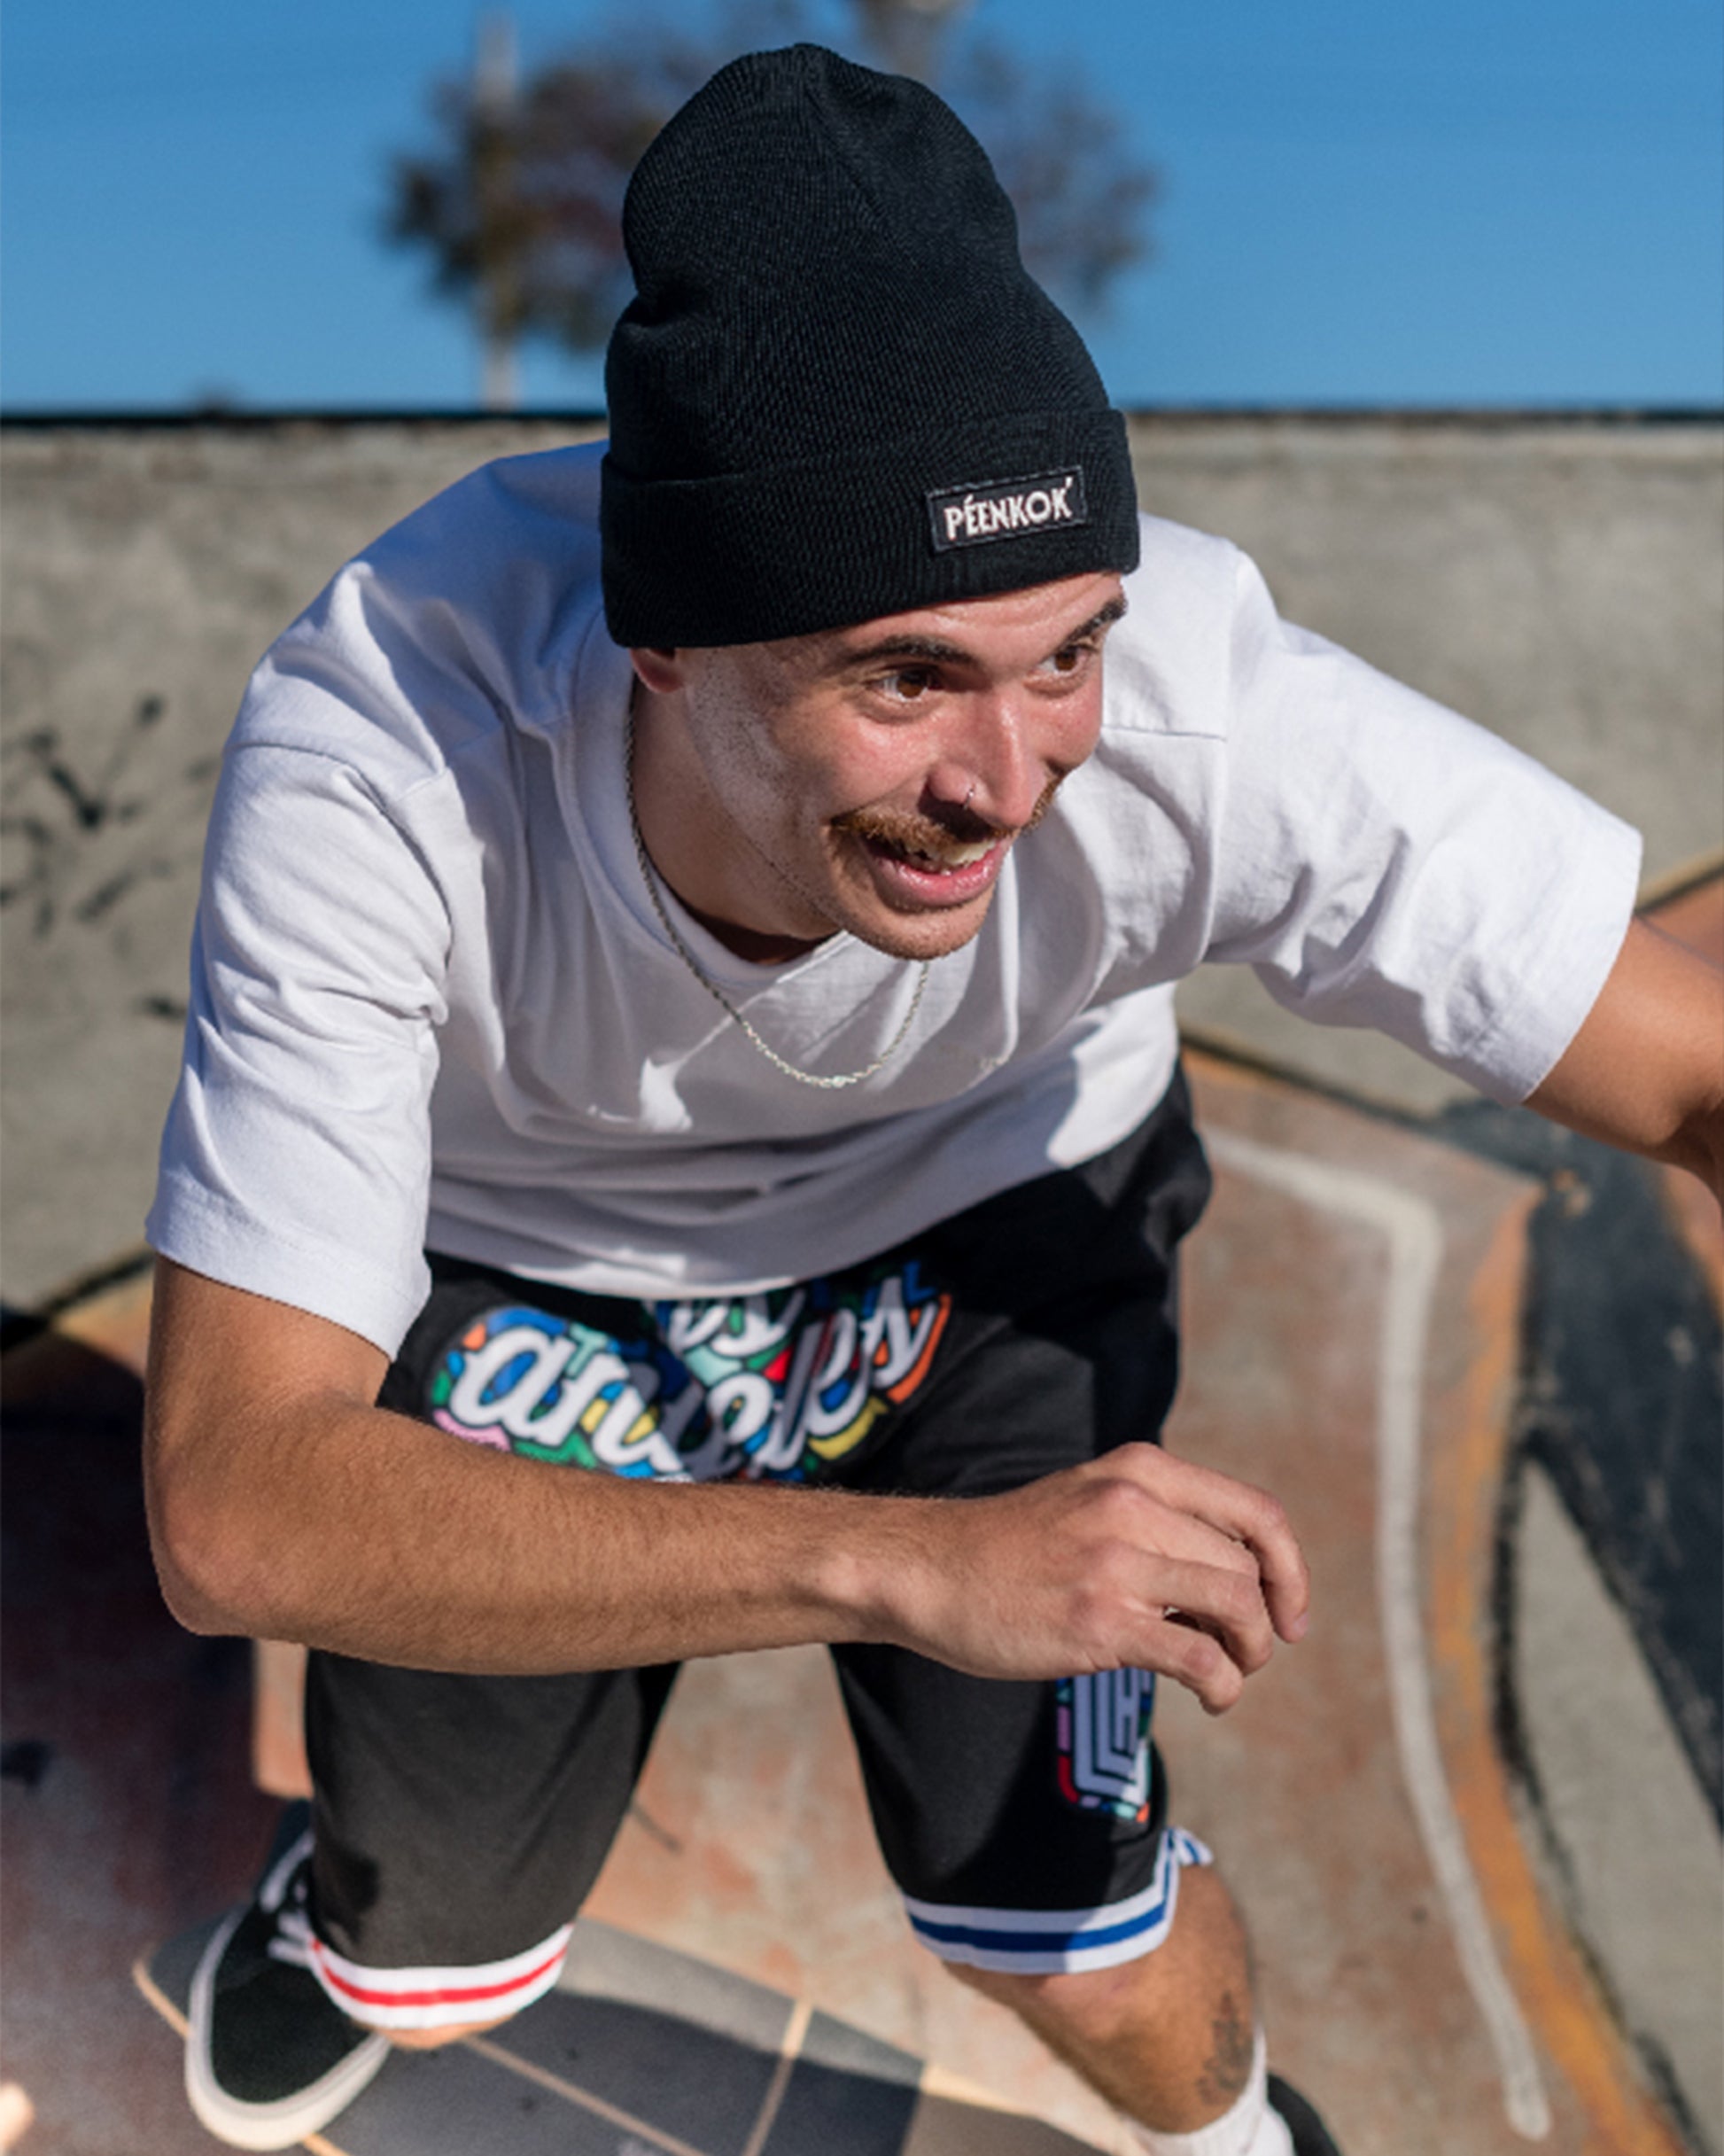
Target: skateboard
{"points": [[642, 2052]]}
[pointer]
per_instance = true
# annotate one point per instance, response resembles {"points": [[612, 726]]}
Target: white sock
{"points": [[1250, 2129]]}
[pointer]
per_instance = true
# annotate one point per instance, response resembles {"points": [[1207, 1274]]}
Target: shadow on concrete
{"points": [[127, 1800]]}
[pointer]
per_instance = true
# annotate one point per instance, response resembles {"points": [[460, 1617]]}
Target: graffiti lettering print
{"points": [[779, 1385], [1103, 1737]]}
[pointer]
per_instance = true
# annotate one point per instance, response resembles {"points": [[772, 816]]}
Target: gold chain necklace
{"points": [[649, 875]]}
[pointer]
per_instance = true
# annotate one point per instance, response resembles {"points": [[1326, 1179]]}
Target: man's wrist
{"points": [[866, 1565]]}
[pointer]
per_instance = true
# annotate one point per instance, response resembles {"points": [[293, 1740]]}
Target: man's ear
{"points": [[660, 670]]}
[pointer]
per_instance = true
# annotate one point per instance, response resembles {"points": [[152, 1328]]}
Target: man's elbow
{"points": [[212, 1572], [188, 1603], [1698, 1146], [189, 1567]]}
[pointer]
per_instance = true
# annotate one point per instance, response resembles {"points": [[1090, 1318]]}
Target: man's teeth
{"points": [[948, 857]]}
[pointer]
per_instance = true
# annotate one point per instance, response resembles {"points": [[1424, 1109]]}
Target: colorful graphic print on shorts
{"points": [[779, 1385], [1102, 1731]]}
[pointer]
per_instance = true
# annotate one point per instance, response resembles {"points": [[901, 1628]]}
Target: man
{"points": [[756, 998]]}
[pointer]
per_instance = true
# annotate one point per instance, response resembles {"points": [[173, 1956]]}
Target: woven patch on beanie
{"points": [[1005, 509]]}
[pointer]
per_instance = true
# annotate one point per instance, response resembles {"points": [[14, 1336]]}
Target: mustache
{"points": [[924, 835]]}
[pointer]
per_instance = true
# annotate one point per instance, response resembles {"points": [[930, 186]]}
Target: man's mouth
{"points": [[918, 863], [947, 855]]}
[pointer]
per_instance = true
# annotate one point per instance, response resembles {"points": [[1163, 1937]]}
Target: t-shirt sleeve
{"points": [[295, 1161], [1383, 862]]}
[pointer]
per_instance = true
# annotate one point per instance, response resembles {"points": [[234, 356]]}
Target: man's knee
{"points": [[1167, 2036], [1101, 2004]]}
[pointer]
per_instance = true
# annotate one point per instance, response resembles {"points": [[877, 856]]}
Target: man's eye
{"points": [[906, 685], [1068, 660]]}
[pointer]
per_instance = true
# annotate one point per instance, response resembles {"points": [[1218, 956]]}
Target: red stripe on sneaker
{"points": [[451, 1995]]}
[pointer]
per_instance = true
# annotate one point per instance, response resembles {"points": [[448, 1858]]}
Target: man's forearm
{"points": [[285, 1507], [363, 1532], [283, 1504]]}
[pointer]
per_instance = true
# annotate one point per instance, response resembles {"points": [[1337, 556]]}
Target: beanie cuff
{"points": [[956, 512]]}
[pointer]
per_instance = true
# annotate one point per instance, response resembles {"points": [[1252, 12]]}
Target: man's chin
{"points": [[933, 931]]}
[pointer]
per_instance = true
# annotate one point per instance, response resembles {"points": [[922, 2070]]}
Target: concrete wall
{"points": [[1559, 581]]}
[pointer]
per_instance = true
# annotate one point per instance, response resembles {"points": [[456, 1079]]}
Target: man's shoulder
{"points": [[1180, 550], [1169, 660], [1186, 591], [469, 617], [532, 519]]}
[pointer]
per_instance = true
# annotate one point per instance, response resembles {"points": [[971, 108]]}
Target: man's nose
{"points": [[987, 766]]}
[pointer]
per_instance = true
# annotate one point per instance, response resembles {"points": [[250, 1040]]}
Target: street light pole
{"points": [[908, 34], [494, 83]]}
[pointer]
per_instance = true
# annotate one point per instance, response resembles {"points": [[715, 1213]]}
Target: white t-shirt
{"points": [[432, 1004]]}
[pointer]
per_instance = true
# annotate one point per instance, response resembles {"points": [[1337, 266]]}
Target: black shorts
{"points": [[461, 1820]]}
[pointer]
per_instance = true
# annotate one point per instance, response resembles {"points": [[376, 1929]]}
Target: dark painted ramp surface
{"points": [[1622, 1385], [1624, 1402], [126, 1803]]}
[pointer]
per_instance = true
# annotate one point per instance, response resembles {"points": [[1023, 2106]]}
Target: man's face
{"points": [[870, 778]]}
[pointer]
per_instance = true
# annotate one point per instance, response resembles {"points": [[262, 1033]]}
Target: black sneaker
{"points": [[1310, 2135], [270, 2057]]}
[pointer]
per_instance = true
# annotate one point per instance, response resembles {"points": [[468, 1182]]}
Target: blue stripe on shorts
{"points": [[1043, 1941]]}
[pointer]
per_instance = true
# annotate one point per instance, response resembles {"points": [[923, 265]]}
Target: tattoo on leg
{"points": [[1232, 2040]]}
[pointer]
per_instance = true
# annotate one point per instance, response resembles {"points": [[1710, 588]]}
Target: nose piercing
{"points": [[969, 797]]}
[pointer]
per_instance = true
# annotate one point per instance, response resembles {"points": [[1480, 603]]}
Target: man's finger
{"points": [[1245, 1515], [1226, 1606], [1196, 1660]]}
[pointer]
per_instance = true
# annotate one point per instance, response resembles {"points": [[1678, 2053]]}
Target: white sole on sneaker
{"points": [[290, 2118]]}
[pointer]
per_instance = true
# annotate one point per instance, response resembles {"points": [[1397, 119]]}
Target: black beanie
{"points": [[838, 393]]}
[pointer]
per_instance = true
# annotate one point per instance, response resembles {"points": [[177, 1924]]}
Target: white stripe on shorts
{"points": [[1047, 1942], [439, 1997]]}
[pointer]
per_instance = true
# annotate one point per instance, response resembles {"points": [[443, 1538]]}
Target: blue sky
{"points": [[1365, 201]]}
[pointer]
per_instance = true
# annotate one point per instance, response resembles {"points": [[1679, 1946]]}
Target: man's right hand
{"points": [[1138, 1558]]}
